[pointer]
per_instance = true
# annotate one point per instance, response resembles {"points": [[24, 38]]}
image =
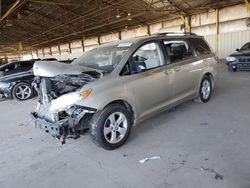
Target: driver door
{"points": [[149, 79]]}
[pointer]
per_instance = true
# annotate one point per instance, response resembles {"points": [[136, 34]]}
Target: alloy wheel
{"points": [[23, 92], [206, 89], [115, 127]]}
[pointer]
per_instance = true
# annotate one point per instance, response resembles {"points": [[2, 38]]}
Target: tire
{"points": [[205, 90], [231, 69], [106, 132], [22, 91]]}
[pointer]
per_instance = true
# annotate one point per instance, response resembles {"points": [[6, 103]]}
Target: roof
{"points": [[32, 24]]}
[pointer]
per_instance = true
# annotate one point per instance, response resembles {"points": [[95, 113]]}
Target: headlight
{"points": [[231, 59], [68, 100]]}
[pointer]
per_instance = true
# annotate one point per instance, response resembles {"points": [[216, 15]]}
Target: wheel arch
{"points": [[125, 104]]}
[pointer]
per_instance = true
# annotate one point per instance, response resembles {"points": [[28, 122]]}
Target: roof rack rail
{"points": [[176, 33]]}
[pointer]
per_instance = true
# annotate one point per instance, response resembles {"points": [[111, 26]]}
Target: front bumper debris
{"points": [[68, 127], [54, 128]]}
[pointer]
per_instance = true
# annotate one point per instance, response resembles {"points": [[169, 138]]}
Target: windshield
{"points": [[104, 58], [245, 47]]}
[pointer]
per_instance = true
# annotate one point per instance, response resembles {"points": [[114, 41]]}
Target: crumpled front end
{"points": [[64, 123], [56, 111]]}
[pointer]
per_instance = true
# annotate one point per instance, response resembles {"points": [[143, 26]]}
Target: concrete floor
{"points": [[213, 136]]}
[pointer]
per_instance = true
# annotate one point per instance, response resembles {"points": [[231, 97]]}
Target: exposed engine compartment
{"points": [[49, 89], [66, 121]]}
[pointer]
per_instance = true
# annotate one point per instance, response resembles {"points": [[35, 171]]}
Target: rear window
{"points": [[200, 46]]}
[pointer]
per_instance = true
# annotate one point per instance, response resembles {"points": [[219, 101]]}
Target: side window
{"points": [[200, 46], [178, 50], [27, 64], [147, 57], [10, 67]]}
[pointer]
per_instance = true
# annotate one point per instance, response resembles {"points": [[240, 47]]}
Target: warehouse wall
{"points": [[233, 33]]}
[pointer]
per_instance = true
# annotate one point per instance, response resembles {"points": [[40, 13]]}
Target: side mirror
{"points": [[237, 49], [139, 67], [6, 70]]}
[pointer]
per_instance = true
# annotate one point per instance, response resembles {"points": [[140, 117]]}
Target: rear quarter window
{"points": [[27, 64], [200, 46]]}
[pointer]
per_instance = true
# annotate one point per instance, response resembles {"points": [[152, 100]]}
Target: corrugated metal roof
{"points": [[38, 23]]}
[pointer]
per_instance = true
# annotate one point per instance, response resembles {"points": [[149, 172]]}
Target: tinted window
{"points": [[27, 64], [200, 46], [178, 50], [245, 47], [11, 67]]}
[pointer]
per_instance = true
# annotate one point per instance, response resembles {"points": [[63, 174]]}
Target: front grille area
{"points": [[244, 59]]}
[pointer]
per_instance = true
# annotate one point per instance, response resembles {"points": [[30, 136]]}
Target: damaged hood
{"points": [[54, 68], [240, 53]]}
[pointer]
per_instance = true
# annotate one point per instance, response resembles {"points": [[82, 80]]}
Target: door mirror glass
{"points": [[6, 70]]}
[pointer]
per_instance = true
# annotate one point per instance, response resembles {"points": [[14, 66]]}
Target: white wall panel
{"points": [[211, 41], [109, 38], [228, 42]]}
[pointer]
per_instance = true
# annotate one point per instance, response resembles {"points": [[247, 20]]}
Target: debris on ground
{"points": [[204, 123], [20, 125], [125, 155], [149, 158], [217, 175], [183, 162], [206, 159]]}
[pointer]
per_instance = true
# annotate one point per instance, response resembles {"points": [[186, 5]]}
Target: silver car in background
{"points": [[113, 87]]}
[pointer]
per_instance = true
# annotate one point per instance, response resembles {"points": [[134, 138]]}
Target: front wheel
{"points": [[110, 127], [205, 90], [232, 69]]}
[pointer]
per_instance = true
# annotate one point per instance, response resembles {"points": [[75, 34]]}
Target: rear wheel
{"points": [[205, 90], [22, 91], [110, 127]]}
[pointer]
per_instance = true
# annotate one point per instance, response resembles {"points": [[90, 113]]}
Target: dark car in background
{"points": [[240, 60], [17, 86], [16, 67], [16, 80]]}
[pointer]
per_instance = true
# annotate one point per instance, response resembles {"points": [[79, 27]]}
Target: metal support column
{"points": [[217, 31], [248, 5]]}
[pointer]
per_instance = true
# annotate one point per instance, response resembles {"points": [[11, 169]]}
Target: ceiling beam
{"points": [[179, 7], [55, 2]]}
